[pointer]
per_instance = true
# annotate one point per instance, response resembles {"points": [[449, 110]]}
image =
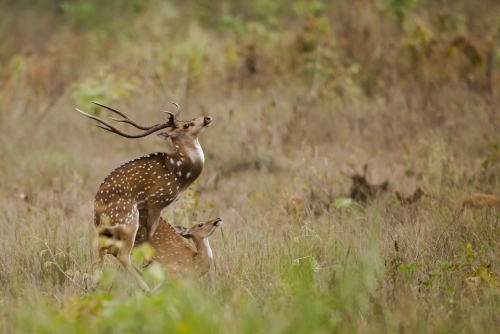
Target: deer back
{"points": [[170, 248]]}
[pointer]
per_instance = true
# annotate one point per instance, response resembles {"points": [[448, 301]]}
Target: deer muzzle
{"points": [[207, 121]]}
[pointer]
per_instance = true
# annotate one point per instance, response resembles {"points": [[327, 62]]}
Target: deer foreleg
{"points": [[98, 272]]}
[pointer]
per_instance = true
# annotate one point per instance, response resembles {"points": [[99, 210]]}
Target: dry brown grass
{"points": [[479, 201]]}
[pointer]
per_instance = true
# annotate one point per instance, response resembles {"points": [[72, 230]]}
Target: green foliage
{"points": [[342, 203], [108, 276], [407, 267], [309, 7], [143, 252], [106, 86], [421, 39], [233, 23], [93, 14], [444, 264], [266, 11], [468, 268], [402, 7]]}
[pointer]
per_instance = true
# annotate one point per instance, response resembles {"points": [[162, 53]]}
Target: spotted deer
{"points": [[178, 257], [144, 186]]}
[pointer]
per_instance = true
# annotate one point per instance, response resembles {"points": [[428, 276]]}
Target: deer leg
{"points": [[120, 223], [158, 288], [141, 235], [124, 257], [152, 224], [98, 272]]}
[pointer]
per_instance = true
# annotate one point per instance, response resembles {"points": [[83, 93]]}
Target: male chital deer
{"points": [[145, 186], [178, 257]]}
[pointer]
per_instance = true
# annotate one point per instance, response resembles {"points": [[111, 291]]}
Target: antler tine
{"points": [[103, 127], [106, 125], [126, 118], [95, 118], [178, 109], [109, 108], [111, 128], [172, 117]]}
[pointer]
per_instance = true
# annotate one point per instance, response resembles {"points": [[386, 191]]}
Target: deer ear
{"points": [[163, 135], [182, 231]]}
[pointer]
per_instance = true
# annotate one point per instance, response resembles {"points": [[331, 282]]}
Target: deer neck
{"points": [[204, 257], [187, 160]]}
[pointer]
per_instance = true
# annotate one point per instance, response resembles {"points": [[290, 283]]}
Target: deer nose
{"points": [[207, 120]]}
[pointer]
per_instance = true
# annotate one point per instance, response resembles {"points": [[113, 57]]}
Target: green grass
{"points": [[301, 97]]}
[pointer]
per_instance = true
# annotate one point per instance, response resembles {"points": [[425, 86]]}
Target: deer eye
{"points": [[186, 125], [200, 225]]}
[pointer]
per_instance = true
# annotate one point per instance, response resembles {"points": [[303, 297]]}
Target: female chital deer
{"points": [[178, 257], [145, 186]]}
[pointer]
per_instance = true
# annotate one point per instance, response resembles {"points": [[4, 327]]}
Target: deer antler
{"points": [[149, 129], [177, 113], [178, 109], [126, 119]]}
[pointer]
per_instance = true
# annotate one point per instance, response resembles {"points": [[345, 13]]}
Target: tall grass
{"points": [[301, 95]]}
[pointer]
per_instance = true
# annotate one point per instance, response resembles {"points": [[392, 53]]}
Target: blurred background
{"points": [[366, 75], [304, 94]]}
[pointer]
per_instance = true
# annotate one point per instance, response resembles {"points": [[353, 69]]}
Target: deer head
{"points": [[199, 231]]}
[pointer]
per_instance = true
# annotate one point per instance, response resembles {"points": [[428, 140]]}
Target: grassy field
{"points": [[303, 94]]}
